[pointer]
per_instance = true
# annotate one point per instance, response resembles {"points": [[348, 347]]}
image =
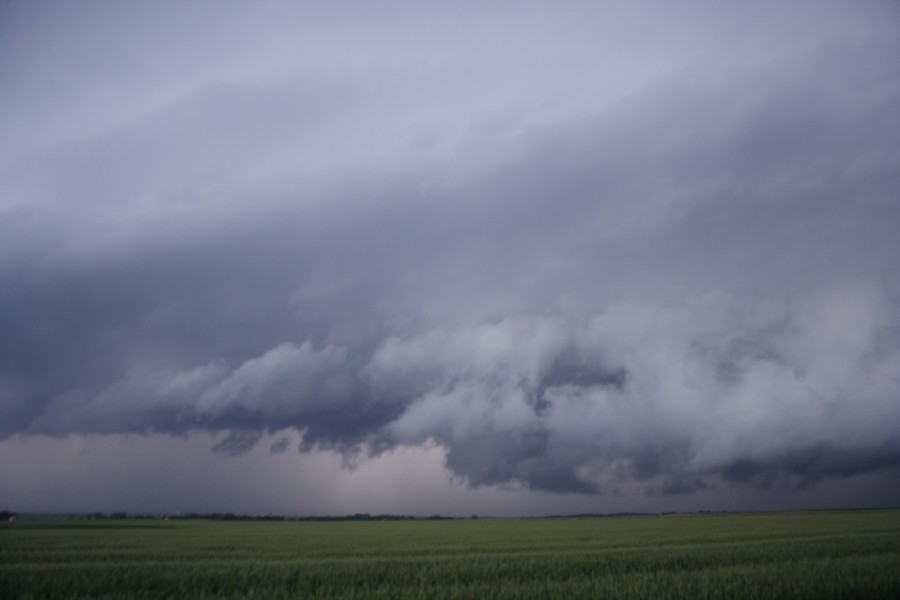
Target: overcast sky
{"points": [[496, 258]]}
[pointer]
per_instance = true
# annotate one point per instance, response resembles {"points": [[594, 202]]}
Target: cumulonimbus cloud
{"points": [[593, 260]]}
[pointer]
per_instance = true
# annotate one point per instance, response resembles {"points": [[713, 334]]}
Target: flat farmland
{"points": [[842, 554]]}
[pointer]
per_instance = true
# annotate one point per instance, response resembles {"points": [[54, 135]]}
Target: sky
{"points": [[495, 258]]}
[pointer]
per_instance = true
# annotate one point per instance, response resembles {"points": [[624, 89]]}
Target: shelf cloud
{"points": [[575, 249]]}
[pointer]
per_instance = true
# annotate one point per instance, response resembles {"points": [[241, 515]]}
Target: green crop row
{"points": [[799, 555]]}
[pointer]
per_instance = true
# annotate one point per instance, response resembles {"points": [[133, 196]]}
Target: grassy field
{"points": [[788, 555]]}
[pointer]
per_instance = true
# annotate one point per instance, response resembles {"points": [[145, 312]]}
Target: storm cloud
{"points": [[576, 248]]}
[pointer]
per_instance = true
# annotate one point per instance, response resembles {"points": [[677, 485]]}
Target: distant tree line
{"points": [[354, 517], [243, 517]]}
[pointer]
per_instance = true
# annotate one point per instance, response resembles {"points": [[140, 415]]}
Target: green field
{"points": [[793, 555]]}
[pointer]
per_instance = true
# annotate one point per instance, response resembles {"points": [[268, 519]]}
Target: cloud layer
{"points": [[587, 248]]}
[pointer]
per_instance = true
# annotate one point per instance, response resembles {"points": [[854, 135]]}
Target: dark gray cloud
{"points": [[572, 258]]}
